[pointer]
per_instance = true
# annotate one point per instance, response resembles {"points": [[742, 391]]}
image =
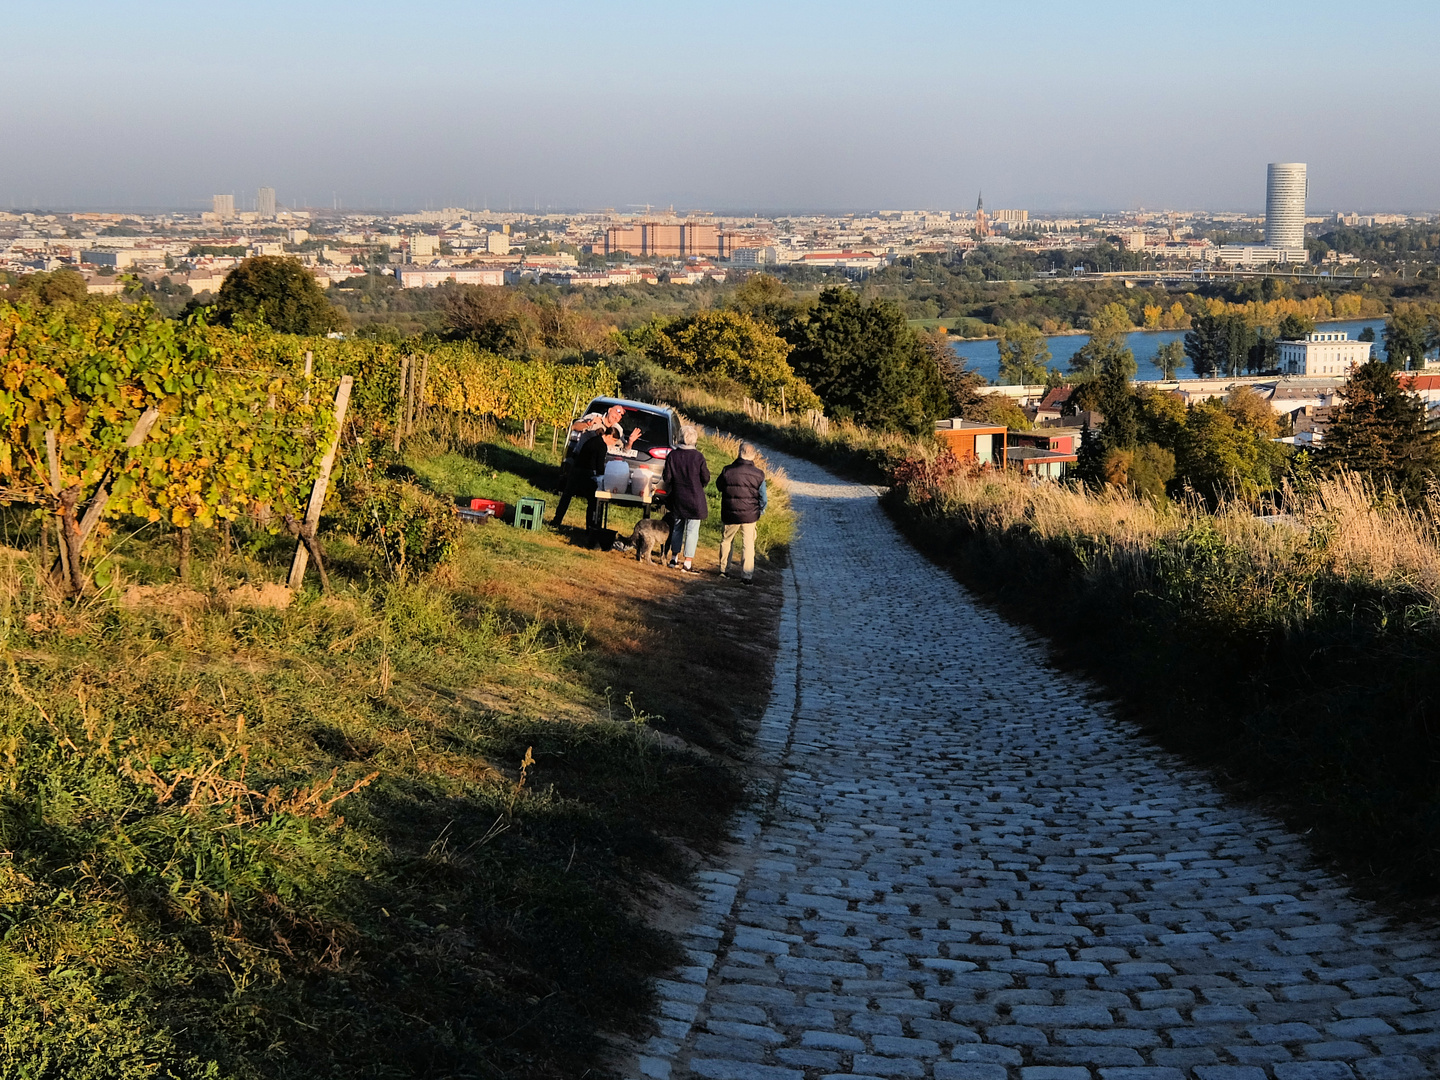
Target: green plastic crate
{"points": [[530, 514]]}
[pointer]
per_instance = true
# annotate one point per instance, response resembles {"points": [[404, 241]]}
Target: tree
{"points": [[1263, 354], [1407, 337], [1024, 353], [1219, 343], [962, 386], [1379, 430], [58, 287], [1295, 328], [1169, 358], [765, 298], [732, 345], [504, 321], [278, 291], [1108, 328], [866, 363]]}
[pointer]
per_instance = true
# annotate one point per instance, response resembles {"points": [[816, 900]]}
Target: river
{"points": [[984, 356]]}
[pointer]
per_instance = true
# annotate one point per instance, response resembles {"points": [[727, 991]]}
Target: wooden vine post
{"points": [[306, 542], [404, 396]]}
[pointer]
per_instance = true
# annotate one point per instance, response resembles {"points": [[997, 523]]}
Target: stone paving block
{"points": [[1313, 1070], [1394, 1067], [969, 1070], [720, 1069], [972, 870]]}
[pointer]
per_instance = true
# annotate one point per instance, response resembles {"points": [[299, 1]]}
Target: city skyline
{"points": [[805, 108]]}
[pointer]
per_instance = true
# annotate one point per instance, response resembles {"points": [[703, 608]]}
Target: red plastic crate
{"points": [[488, 505]]}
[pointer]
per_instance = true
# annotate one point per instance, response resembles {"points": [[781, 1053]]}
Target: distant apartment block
{"points": [[1326, 352], [1013, 217], [265, 203], [754, 256], [423, 246], [653, 240], [427, 277], [846, 260], [223, 206], [121, 258], [495, 243]]}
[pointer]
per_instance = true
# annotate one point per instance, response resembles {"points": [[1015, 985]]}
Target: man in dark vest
{"points": [[742, 501]]}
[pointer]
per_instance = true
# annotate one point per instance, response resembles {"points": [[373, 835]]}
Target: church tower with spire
{"points": [[982, 226]]}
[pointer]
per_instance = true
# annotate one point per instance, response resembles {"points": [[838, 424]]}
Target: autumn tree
{"points": [[733, 345], [1106, 347], [63, 286], [1024, 354], [279, 292], [766, 299], [1379, 430]]}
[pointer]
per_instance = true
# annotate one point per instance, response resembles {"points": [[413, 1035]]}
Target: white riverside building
{"points": [[1322, 353]]}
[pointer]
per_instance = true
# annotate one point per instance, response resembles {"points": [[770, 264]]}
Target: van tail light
{"points": [[659, 453]]}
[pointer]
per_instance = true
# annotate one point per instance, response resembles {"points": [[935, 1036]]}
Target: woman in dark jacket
{"points": [[685, 477]]}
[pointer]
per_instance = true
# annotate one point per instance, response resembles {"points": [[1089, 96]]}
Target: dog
{"points": [[650, 534]]}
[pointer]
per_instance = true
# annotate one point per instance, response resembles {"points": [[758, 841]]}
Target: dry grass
{"points": [[1337, 526]]}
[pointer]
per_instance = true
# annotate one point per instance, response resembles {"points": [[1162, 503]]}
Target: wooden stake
{"points": [[400, 419], [322, 482], [420, 397], [309, 357], [52, 459], [138, 434]]}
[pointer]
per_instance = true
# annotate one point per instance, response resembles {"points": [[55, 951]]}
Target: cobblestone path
{"points": [[968, 870]]}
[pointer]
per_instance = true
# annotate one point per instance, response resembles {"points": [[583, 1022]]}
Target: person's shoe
{"points": [[723, 574], [747, 581], [688, 569]]}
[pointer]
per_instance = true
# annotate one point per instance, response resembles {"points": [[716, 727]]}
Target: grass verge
{"points": [[408, 829]]}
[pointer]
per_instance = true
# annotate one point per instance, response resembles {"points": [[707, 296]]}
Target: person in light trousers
{"points": [[742, 500]]}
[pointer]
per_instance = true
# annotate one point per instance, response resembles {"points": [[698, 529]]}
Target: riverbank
{"points": [[982, 355]]}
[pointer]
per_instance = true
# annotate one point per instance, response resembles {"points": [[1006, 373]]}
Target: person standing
{"points": [[586, 465], [742, 500], [685, 477]]}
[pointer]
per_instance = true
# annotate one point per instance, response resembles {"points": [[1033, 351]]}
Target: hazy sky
{"points": [[739, 105]]}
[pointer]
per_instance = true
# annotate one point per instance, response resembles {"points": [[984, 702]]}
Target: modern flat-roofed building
{"points": [[265, 203], [223, 206], [1325, 352], [970, 441]]}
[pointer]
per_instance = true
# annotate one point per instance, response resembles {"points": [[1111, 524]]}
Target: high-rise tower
{"points": [[1285, 190], [223, 206], [265, 203]]}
